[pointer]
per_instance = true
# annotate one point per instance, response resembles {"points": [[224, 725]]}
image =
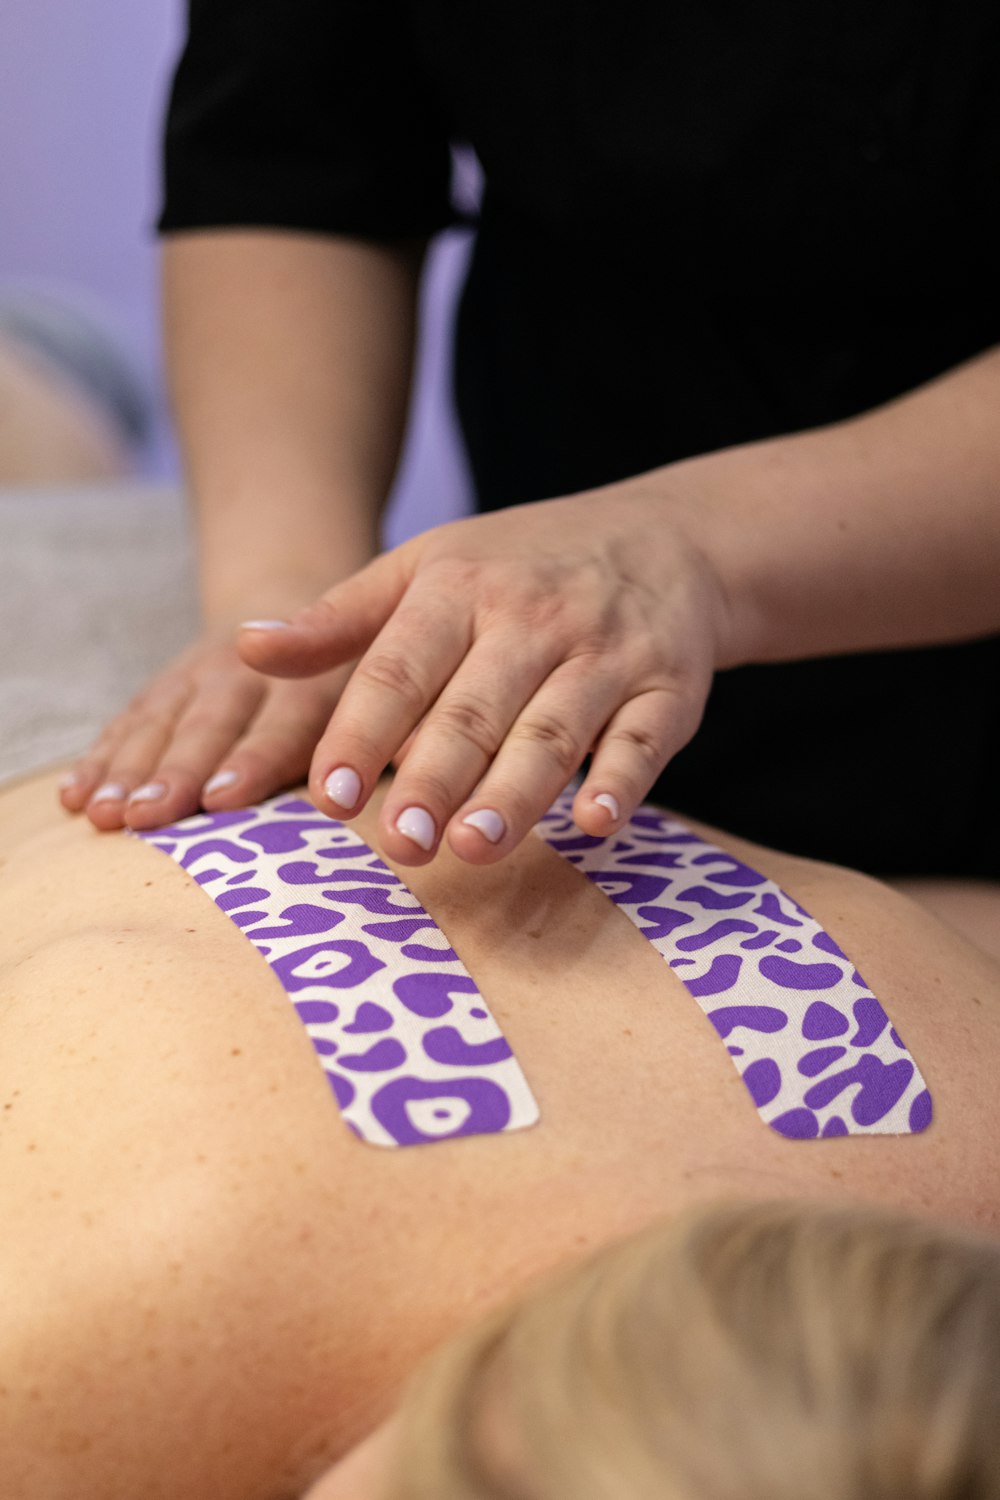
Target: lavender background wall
{"points": [[82, 84]]}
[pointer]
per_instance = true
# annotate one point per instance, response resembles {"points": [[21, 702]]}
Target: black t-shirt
{"points": [[703, 223]]}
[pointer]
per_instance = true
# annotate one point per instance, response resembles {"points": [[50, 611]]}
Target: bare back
{"points": [[217, 1287]]}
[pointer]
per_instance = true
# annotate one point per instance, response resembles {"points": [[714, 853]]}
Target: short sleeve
{"points": [[304, 114]]}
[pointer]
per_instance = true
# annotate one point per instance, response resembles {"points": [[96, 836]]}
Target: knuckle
{"points": [[639, 743], [391, 672], [551, 735], [542, 612], [471, 720], [432, 789]]}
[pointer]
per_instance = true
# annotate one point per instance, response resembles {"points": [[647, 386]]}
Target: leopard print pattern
{"points": [[814, 1047], [407, 1043]]}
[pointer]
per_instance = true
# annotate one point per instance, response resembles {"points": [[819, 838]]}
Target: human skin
{"points": [[50, 431], [518, 642], [595, 618], [289, 358], [219, 1290]]}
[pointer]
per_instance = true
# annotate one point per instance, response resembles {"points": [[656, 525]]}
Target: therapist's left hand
{"points": [[506, 647]]}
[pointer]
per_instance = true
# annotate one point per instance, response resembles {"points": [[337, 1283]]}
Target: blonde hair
{"points": [[744, 1352]]}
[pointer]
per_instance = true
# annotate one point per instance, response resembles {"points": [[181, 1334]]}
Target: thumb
{"points": [[339, 627]]}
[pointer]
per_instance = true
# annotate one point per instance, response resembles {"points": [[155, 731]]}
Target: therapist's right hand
{"points": [[207, 731]]}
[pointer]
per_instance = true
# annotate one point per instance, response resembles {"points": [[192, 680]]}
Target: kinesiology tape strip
{"points": [[410, 1050], [814, 1047]]}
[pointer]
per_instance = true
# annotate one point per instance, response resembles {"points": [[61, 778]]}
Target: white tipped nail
{"points": [[263, 625], [111, 791], [417, 824], [489, 823], [151, 792], [219, 782], [343, 786], [605, 799], [66, 780]]}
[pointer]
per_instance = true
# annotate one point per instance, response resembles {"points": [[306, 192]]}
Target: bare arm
{"points": [[604, 615], [881, 531], [289, 358]]}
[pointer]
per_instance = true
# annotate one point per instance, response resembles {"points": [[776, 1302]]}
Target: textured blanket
{"points": [[96, 591]]}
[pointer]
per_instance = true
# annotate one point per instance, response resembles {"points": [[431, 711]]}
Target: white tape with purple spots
{"points": [[812, 1044], [407, 1043]]}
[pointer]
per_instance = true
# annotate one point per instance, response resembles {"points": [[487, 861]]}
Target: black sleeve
{"points": [[304, 114]]}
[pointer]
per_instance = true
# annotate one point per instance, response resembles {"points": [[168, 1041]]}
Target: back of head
{"points": [[745, 1352]]}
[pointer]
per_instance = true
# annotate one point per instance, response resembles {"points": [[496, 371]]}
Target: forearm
{"points": [[289, 358], [878, 532]]}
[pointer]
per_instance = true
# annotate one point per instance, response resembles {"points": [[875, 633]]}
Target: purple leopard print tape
{"points": [[812, 1044], [408, 1045]]}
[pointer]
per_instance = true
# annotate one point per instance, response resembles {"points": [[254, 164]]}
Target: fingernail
{"points": [[263, 625], [68, 779], [605, 799], [489, 823], [417, 824], [218, 781], [111, 791], [343, 786], [152, 791]]}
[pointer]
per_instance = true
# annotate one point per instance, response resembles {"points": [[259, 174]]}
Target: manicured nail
{"points": [[263, 625], [605, 799], [151, 792], [68, 779], [343, 786], [111, 791], [489, 823], [417, 824], [219, 781]]}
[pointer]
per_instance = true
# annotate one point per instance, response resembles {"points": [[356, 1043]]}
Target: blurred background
{"points": [[82, 91], [96, 563]]}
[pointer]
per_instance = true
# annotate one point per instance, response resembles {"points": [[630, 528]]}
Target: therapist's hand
{"points": [[206, 731], [513, 644]]}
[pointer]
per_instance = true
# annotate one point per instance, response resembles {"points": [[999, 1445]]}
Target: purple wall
{"points": [[82, 85], [81, 88]]}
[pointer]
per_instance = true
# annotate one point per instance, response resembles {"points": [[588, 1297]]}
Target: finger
{"points": [[89, 773], [457, 743], [389, 692], [130, 748], [407, 745], [338, 628], [215, 717], [81, 780], [544, 749], [631, 754], [277, 748]]}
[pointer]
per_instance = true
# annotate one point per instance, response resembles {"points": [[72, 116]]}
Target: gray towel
{"points": [[96, 592]]}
